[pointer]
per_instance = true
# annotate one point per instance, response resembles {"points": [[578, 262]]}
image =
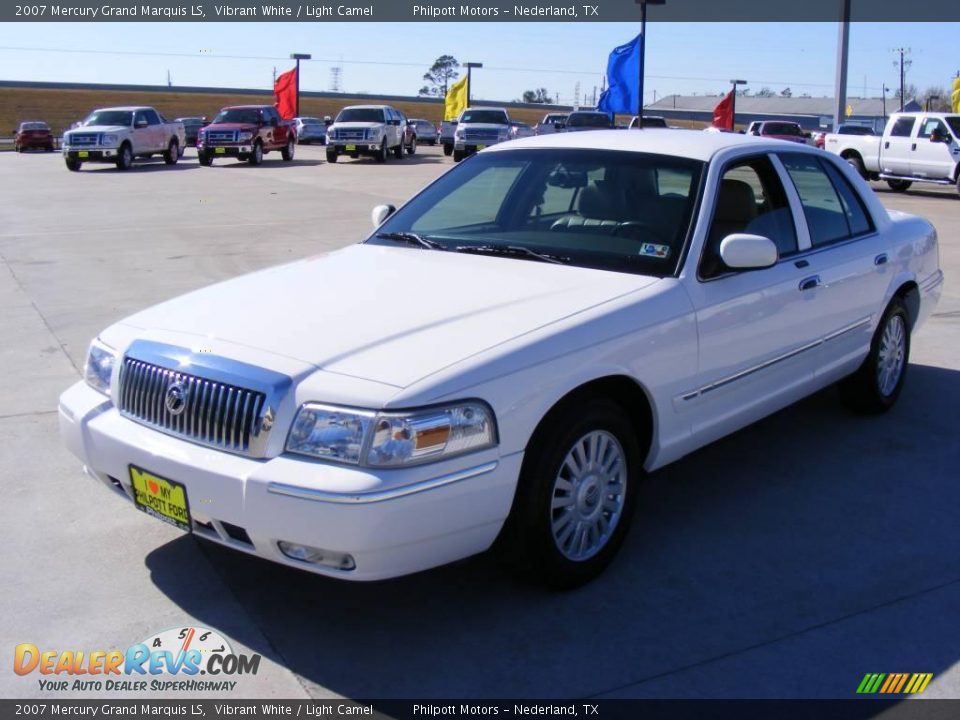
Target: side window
{"points": [[903, 127], [140, 117], [831, 215], [152, 117], [751, 200], [929, 126], [857, 217]]}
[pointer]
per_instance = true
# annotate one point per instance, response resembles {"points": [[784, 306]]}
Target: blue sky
{"points": [[682, 58]]}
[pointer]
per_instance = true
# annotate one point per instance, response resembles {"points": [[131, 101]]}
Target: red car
{"points": [[33, 135], [779, 130]]}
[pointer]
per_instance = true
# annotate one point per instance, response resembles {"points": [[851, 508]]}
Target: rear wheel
{"points": [[73, 165], [125, 158], [899, 185], [876, 385], [172, 154], [256, 155], [288, 152], [857, 164], [575, 495]]}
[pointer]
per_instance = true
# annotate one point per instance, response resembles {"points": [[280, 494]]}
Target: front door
{"points": [[934, 159]]}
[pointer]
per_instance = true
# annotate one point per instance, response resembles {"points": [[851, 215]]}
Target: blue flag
{"points": [[623, 80]]}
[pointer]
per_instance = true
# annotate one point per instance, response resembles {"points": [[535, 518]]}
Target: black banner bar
{"points": [[442, 11]]}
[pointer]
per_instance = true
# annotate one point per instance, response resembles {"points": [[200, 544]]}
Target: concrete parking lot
{"points": [[785, 561]]}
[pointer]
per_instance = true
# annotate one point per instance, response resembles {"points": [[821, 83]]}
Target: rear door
{"points": [[933, 159], [896, 149]]}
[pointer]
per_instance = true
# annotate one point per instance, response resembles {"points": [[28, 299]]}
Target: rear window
{"points": [[34, 126]]}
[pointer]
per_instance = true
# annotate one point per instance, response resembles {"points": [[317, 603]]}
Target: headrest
{"points": [[735, 202], [596, 204]]}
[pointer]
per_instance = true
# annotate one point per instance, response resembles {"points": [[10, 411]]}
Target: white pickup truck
{"points": [[914, 147], [120, 134], [479, 127]]}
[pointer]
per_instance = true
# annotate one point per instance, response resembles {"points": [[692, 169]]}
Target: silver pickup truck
{"points": [[478, 128], [914, 147], [120, 134]]}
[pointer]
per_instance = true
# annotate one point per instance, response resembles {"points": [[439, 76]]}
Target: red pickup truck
{"points": [[246, 132]]}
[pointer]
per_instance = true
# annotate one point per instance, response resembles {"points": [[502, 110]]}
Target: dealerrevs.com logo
{"points": [[169, 661]]}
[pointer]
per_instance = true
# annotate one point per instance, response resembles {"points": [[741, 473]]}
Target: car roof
{"points": [[684, 143], [308, 117], [485, 107], [125, 108], [244, 107], [588, 112], [365, 107]]}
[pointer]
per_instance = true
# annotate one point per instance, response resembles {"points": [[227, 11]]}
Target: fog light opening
{"points": [[316, 556]]}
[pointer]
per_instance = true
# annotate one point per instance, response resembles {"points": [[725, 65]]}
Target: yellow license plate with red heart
{"points": [[163, 499]]}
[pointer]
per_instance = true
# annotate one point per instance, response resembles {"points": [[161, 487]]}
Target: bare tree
{"points": [[786, 92], [935, 98], [764, 92], [539, 95], [439, 76]]}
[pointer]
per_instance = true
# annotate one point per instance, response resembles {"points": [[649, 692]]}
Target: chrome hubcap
{"points": [[588, 495], [890, 357]]}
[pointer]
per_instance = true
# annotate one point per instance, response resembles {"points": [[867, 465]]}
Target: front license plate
{"points": [[219, 151], [163, 499], [480, 147], [351, 148], [83, 153]]}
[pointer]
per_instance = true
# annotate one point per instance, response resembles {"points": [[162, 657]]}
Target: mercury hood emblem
{"points": [[175, 399]]}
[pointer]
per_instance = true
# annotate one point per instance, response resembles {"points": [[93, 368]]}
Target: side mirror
{"points": [[380, 213], [140, 124], [274, 122], [748, 252]]}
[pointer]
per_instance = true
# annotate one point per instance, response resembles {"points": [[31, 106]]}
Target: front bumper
{"points": [[391, 522], [354, 147], [472, 146], [91, 154], [224, 150]]}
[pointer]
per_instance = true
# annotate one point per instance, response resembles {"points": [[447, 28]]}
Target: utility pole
{"points": [[904, 64]]}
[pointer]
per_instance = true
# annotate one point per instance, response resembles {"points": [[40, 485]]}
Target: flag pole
{"points": [[643, 53]]}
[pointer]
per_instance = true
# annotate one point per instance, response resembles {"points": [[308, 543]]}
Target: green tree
{"points": [[438, 77]]}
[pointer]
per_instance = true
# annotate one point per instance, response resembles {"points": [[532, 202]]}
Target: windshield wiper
{"points": [[513, 251], [412, 238]]}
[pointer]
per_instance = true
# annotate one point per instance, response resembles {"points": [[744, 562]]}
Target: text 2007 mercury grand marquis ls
{"points": [[507, 354]]}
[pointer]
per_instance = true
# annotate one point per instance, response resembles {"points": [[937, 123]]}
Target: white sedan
{"points": [[507, 354]]}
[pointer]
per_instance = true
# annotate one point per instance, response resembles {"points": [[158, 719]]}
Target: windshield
{"points": [[492, 117], [954, 123], [360, 115], [628, 212], [109, 117], [243, 116], [597, 120]]}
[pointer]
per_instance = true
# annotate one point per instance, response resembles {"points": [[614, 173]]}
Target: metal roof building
{"points": [[812, 113]]}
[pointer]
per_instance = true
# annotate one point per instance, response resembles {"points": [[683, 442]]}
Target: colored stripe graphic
{"points": [[894, 683]]}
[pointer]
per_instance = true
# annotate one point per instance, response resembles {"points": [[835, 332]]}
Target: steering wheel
{"points": [[630, 226]]}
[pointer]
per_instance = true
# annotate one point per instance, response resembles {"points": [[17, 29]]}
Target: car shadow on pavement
{"points": [[790, 544], [266, 164], [943, 192]]}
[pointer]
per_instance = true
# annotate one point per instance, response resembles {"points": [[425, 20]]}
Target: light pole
{"points": [[643, 52], [885, 89], [733, 102], [469, 66], [930, 100], [298, 57]]}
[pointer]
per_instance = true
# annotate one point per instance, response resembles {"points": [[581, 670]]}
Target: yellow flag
{"points": [[456, 100], [955, 96]]}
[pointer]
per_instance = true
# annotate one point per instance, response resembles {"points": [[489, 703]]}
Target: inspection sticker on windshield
{"points": [[654, 250]]}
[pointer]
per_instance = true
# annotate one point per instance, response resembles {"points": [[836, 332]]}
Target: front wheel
{"points": [[205, 158], [382, 152], [876, 385], [73, 165], [899, 185], [125, 158], [288, 152], [398, 150], [857, 164], [331, 156], [412, 148], [172, 154], [575, 495], [447, 149], [459, 155], [256, 155]]}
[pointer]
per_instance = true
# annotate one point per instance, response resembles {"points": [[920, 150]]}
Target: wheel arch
{"points": [[909, 292]]}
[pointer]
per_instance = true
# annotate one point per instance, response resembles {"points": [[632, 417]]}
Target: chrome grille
{"points": [[480, 134], [350, 134], [84, 139], [221, 136], [215, 413]]}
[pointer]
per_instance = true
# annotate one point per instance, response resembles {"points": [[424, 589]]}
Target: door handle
{"points": [[810, 283], [886, 145], [880, 259], [913, 147]]}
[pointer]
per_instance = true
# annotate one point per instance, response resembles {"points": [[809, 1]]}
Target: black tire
{"points": [[48, 148], [528, 539], [458, 155], [412, 147], [172, 154], [205, 158], [73, 165], [381, 155], [17, 148], [857, 164], [958, 183], [256, 156], [398, 150], [868, 390], [331, 156], [447, 149], [433, 142], [899, 185], [125, 158], [289, 151]]}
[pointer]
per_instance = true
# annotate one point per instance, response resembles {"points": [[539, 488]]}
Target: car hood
{"points": [[390, 314], [231, 126], [355, 125], [484, 126], [98, 128]]}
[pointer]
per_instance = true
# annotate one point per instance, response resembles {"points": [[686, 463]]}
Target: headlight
{"points": [[110, 140], [245, 135], [391, 439], [99, 366]]}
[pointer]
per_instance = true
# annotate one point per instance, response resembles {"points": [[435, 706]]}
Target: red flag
{"points": [[723, 113], [285, 89]]}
